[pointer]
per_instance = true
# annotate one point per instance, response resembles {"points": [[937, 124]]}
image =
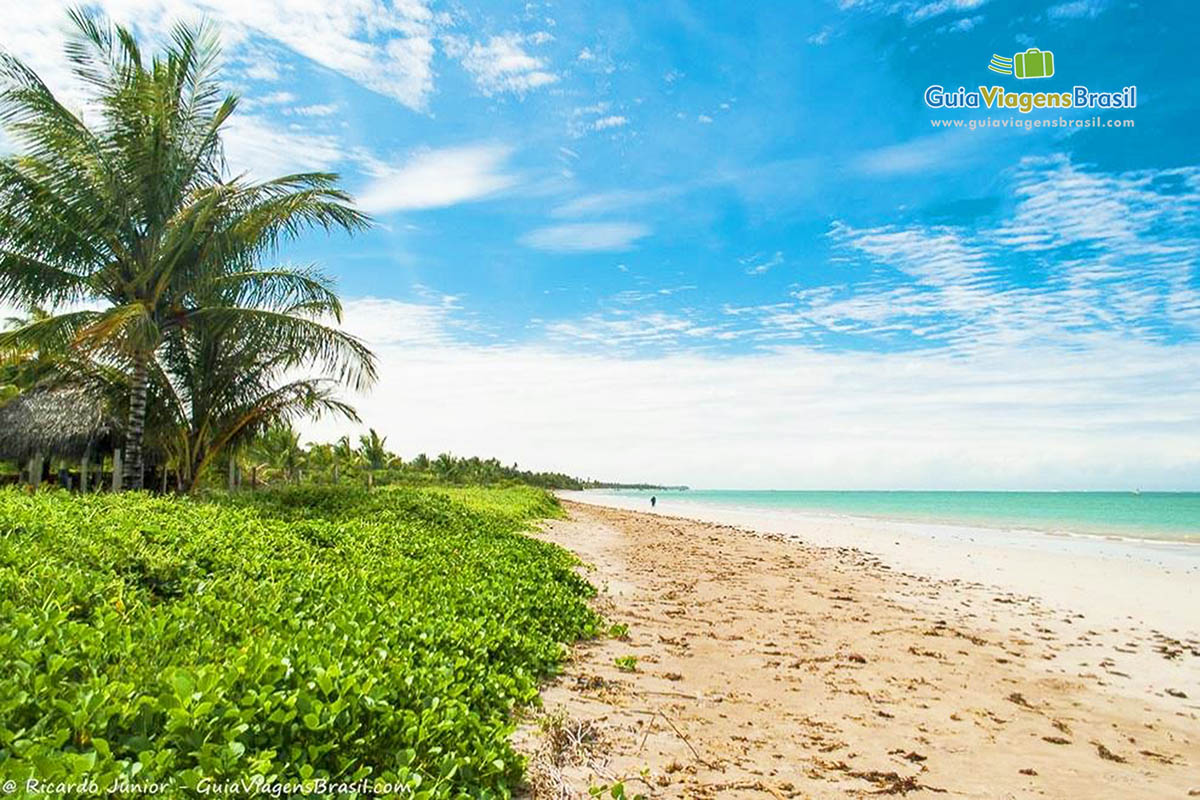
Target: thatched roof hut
{"points": [[61, 422]]}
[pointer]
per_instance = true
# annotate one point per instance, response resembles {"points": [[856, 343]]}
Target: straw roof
{"points": [[60, 422]]}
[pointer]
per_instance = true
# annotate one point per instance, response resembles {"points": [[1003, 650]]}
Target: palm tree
{"points": [[233, 376], [445, 466], [278, 448], [343, 453], [20, 367], [373, 449], [132, 213]]}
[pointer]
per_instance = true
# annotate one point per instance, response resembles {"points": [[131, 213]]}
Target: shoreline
{"points": [[1149, 582], [683, 501], [765, 665]]}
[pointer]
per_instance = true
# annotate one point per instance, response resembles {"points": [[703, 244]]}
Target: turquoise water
{"points": [[1170, 516]]}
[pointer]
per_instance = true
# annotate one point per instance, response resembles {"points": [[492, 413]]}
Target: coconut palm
{"points": [[373, 449], [343, 454], [445, 466], [374, 453], [130, 212], [278, 449], [231, 376]]}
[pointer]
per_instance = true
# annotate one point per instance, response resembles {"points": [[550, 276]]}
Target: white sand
{"points": [[752, 664], [1122, 588]]}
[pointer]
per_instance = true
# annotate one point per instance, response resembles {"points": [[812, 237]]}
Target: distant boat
{"points": [[1137, 491]]}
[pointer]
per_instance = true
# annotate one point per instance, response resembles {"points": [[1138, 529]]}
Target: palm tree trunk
{"points": [[35, 470], [118, 468], [135, 432]]}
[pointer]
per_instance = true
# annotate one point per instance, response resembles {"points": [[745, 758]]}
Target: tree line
{"points": [[278, 457]]}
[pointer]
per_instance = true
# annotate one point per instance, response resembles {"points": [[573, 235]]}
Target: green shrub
{"points": [[294, 635]]}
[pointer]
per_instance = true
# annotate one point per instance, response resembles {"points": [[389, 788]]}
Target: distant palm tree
{"points": [[20, 366], [375, 456], [131, 212], [373, 448], [343, 455], [278, 449], [445, 466]]}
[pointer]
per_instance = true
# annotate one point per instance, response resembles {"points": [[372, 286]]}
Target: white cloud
{"points": [[256, 147], [262, 68], [385, 322], [274, 99], [1077, 9], [821, 37], [624, 330], [761, 263], [615, 201], [1097, 255], [942, 152], [585, 237], [316, 110], [1124, 414], [914, 11], [612, 121], [939, 7], [439, 178], [704, 119], [595, 117], [501, 64], [386, 47], [964, 24]]}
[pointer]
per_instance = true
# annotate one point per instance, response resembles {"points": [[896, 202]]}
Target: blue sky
{"points": [[724, 245]]}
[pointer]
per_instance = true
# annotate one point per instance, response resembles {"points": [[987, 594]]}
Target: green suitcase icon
{"points": [[1033, 63]]}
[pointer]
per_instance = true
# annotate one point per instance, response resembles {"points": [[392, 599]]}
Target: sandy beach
{"points": [[757, 664]]}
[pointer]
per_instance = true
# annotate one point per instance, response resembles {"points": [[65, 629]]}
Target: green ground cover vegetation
{"points": [[292, 634]]}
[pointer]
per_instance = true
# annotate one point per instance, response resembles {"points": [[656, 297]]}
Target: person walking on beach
{"points": [[653, 501]]}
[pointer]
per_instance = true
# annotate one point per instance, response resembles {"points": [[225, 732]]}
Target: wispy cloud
{"points": [[1115, 254], [599, 116], [913, 11], [620, 200], [439, 178], [611, 121], [938, 7], [939, 152], [761, 263], [623, 330], [255, 146], [316, 110], [501, 63], [1039, 417], [387, 48], [586, 237], [821, 37], [1077, 9]]}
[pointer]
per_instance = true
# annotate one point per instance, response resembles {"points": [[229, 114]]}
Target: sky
{"points": [[730, 245]]}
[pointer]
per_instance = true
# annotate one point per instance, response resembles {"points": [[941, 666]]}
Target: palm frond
{"points": [[305, 341]]}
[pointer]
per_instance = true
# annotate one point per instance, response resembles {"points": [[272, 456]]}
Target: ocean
{"points": [[1163, 516]]}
